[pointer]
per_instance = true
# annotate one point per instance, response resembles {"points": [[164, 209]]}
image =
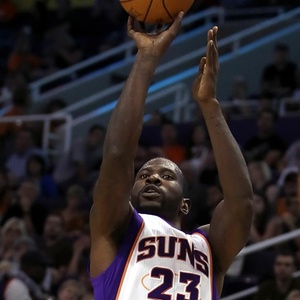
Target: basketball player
{"points": [[145, 255]]}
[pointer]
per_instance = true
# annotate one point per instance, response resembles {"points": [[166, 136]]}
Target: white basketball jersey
{"points": [[157, 261]]}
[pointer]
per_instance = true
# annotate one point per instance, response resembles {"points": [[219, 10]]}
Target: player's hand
{"points": [[204, 86], [154, 44]]}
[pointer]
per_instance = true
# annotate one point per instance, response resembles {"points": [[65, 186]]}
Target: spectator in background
{"points": [[36, 273], [192, 167], [265, 223], [278, 77], [198, 149], [36, 170], [79, 261], [283, 282], [80, 165], [20, 104], [28, 208], [71, 289], [294, 294], [291, 221], [266, 144], [12, 229], [7, 194], [65, 51], [23, 59], [287, 186], [288, 180], [12, 288], [266, 101], [11, 83], [291, 159], [54, 106], [6, 200], [81, 247], [18, 280], [214, 196], [291, 105], [209, 174], [25, 283], [200, 213], [8, 12], [170, 147], [261, 175], [239, 98], [23, 149], [156, 118], [22, 245], [74, 213], [141, 157], [55, 243]]}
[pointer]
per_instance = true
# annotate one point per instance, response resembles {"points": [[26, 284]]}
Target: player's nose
{"points": [[153, 179]]}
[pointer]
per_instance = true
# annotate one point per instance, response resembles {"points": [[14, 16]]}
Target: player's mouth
{"points": [[150, 190]]}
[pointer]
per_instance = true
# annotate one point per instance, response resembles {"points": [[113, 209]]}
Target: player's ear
{"points": [[185, 206]]}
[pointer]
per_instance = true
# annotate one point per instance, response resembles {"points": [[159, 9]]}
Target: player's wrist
{"points": [[210, 106], [147, 58]]}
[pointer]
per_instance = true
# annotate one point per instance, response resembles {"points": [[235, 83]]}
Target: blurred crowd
{"points": [[45, 200]]}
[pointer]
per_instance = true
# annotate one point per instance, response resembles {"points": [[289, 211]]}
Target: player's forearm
{"points": [[232, 168], [127, 118]]}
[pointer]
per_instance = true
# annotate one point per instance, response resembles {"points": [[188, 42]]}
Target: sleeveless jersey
{"points": [[158, 261]]}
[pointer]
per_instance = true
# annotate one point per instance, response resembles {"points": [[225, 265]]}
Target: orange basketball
{"points": [[155, 11]]}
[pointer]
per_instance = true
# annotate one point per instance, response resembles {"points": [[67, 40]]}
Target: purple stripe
{"points": [[106, 285]]}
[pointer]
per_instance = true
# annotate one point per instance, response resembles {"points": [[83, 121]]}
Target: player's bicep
{"points": [[228, 234]]}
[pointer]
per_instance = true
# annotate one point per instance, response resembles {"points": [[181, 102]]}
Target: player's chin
{"points": [[146, 206]]}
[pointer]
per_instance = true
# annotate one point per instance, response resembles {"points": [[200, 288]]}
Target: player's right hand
{"points": [[154, 44]]}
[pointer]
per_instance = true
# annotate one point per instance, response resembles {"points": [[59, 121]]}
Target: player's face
{"points": [[158, 189]]}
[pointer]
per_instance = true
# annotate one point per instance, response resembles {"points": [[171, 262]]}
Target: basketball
{"points": [[155, 11]]}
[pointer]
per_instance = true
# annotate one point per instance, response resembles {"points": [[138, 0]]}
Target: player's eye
{"points": [[167, 177], [144, 176]]}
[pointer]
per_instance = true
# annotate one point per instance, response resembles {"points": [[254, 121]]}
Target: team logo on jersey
{"points": [[175, 248]]}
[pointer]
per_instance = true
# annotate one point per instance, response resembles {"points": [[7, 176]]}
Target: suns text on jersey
{"points": [[173, 247]]}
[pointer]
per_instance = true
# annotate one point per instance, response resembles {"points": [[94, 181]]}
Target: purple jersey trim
{"points": [[106, 285], [214, 287]]}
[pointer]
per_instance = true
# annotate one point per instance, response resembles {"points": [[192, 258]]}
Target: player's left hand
{"points": [[204, 86]]}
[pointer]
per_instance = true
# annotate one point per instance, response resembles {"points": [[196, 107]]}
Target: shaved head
{"points": [[169, 164]]}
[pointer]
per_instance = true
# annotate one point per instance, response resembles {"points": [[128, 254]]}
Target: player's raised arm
{"points": [[111, 208], [230, 224]]}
